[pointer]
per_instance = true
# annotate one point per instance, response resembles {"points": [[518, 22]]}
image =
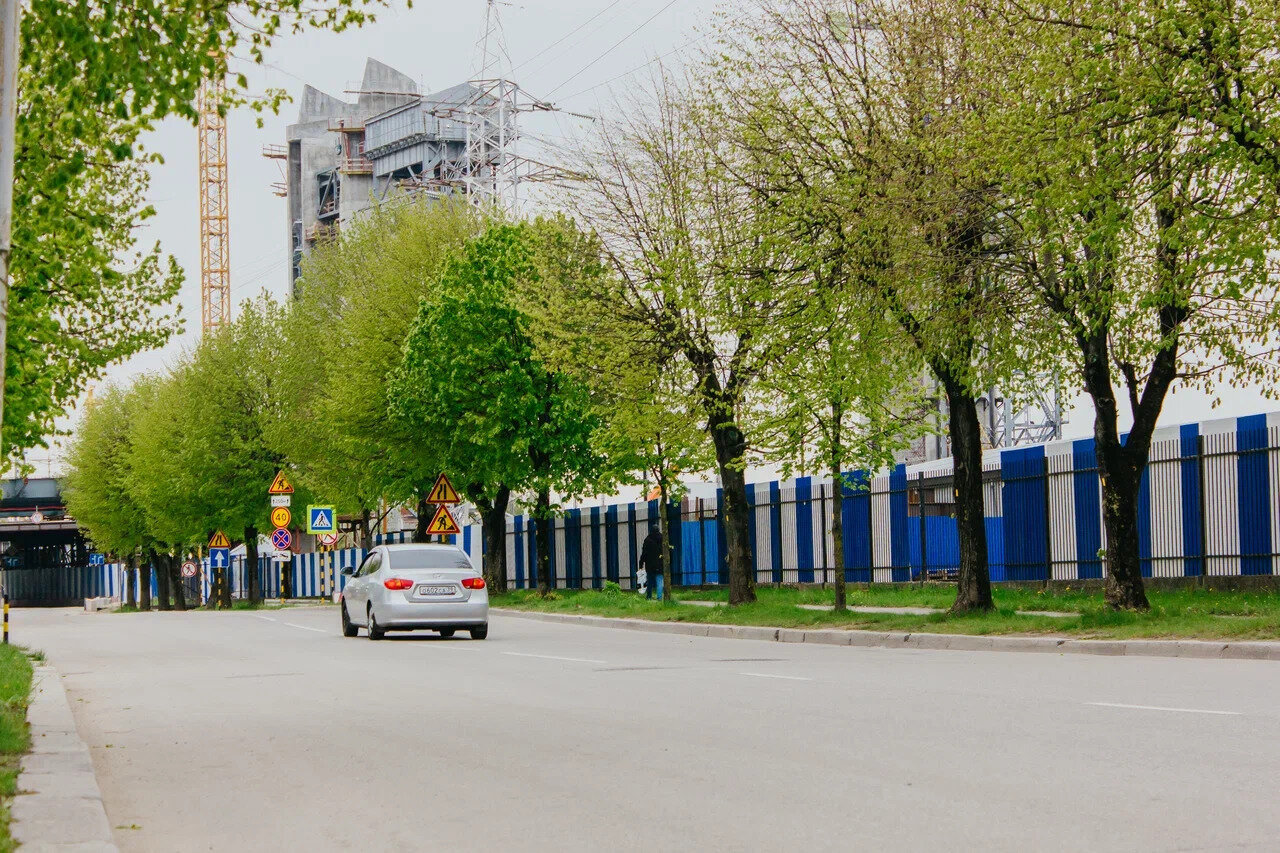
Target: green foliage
{"points": [[471, 380], [94, 78], [96, 484], [344, 336], [199, 455]]}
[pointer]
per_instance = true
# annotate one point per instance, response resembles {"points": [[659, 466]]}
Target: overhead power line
{"points": [[567, 35], [612, 48]]}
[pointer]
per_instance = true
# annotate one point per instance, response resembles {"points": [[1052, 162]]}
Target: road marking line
{"points": [[306, 627], [554, 657], [263, 618], [771, 675], [1161, 708]]}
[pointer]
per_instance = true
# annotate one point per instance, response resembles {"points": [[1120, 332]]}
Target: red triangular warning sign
{"points": [[443, 523], [280, 486], [219, 540], [443, 492]]}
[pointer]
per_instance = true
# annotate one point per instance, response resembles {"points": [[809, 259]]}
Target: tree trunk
{"points": [[543, 514], [730, 447], [130, 579], [251, 563], [424, 519], [175, 580], [493, 521], [837, 534], [974, 581], [1120, 472], [144, 584], [366, 529], [160, 566]]}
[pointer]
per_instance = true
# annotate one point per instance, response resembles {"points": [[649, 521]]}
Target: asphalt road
{"points": [[270, 731]]}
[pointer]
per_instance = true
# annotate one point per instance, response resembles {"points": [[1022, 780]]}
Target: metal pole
{"points": [[924, 559], [10, 11], [1204, 526]]}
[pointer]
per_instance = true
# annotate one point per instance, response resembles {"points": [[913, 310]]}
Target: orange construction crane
{"points": [[215, 237]]}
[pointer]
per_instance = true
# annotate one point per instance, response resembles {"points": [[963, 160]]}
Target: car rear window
{"points": [[428, 559]]}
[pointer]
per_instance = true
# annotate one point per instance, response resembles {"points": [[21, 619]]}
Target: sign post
{"points": [[443, 494], [219, 562], [279, 493]]}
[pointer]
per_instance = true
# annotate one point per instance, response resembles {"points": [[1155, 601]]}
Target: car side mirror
{"points": [[348, 570]]}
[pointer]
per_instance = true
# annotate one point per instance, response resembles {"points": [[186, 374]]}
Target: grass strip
{"points": [[1181, 614], [15, 688]]}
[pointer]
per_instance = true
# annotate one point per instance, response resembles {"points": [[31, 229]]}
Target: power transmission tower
{"points": [[215, 268]]}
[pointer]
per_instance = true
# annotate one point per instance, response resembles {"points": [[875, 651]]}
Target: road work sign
{"points": [[281, 500], [443, 492], [219, 540], [280, 486], [280, 517], [281, 539], [189, 569], [219, 558], [321, 519], [443, 523]]}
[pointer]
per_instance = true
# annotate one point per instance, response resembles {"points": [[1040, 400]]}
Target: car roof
{"points": [[421, 546]]}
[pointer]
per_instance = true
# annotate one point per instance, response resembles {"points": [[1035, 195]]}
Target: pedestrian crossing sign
{"points": [[321, 519], [443, 523]]}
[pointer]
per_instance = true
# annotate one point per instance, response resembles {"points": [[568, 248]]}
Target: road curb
{"points": [[59, 805], [951, 642]]}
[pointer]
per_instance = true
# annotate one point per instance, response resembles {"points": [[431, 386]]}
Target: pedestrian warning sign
{"points": [[443, 523], [219, 540], [321, 519], [280, 486], [443, 492]]}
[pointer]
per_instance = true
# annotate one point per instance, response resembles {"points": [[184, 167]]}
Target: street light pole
{"points": [[10, 10]]}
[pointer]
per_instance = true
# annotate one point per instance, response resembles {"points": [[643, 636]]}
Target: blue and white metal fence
{"points": [[1209, 505]]}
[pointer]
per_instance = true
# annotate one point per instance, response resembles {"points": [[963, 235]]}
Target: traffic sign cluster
{"points": [[442, 494], [280, 492]]}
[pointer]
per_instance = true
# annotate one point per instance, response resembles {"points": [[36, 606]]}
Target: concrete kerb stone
{"points": [[952, 642], [60, 807]]}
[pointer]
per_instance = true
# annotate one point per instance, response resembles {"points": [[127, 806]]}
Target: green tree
{"points": [[701, 273], [93, 79], [200, 454], [471, 380], [1150, 229], [847, 387], [343, 337], [650, 426], [865, 124], [96, 482]]}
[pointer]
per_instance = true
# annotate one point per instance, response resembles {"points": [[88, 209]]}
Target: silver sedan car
{"points": [[415, 587]]}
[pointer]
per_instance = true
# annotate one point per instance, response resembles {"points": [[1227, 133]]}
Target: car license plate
{"points": [[435, 590]]}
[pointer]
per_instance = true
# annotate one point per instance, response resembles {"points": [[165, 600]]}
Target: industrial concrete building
{"points": [[341, 158]]}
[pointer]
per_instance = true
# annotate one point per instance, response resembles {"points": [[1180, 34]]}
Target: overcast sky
{"points": [[436, 44]]}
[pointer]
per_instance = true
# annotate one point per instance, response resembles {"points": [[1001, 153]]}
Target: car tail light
{"points": [[397, 583], [473, 583]]}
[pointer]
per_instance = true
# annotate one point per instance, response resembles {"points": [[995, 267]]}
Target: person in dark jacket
{"points": [[651, 561]]}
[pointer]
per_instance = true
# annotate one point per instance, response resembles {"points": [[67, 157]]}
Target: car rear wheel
{"points": [[348, 630], [375, 633], [480, 633], [447, 632]]}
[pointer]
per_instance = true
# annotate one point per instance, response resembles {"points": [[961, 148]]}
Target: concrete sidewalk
{"points": [[58, 806], [1256, 650]]}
